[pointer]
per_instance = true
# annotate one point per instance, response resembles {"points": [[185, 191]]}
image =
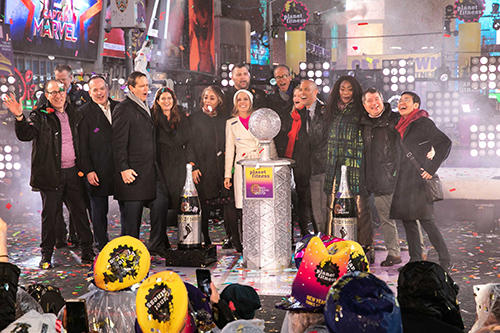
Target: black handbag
{"points": [[433, 186]]}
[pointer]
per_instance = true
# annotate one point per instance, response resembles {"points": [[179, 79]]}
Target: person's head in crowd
{"points": [[138, 85], [243, 299], [345, 90], [98, 90], [241, 76], [408, 103], [373, 102], [360, 302], [55, 93], [487, 298], [212, 99], [309, 91], [64, 74], [243, 103], [242, 326], [298, 102], [300, 321], [283, 77], [162, 303], [166, 104], [426, 290]]}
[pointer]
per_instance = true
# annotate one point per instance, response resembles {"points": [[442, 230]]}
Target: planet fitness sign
{"points": [[469, 10], [294, 15]]}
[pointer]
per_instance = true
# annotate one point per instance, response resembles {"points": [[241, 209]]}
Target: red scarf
{"points": [[294, 132], [405, 121]]}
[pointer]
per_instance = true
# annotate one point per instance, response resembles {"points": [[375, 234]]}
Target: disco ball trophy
{"points": [[266, 199]]}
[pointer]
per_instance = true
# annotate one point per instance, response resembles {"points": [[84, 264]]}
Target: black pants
{"points": [[304, 208], [437, 240], [231, 223], [71, 192], [131, 214], [99, 209]]}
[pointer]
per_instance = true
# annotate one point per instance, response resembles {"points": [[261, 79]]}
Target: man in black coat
{"points": [[137, 182], [53, 129], [380, 164], [241, 79], [281, 101], [96, 153], [430, 147]]}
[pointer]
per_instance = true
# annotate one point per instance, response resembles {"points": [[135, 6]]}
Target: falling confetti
{"points": [[363, 23], [453, 189], [355, 48], [370, 60], [96, 130], [8, 206], [161, 15], [80, 174], [76, 53]]}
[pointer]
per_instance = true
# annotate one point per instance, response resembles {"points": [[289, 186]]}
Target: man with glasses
{"points": [[52, 128]]}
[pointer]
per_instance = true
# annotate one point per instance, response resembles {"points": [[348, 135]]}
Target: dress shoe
{"points": [[391, 261], [227, 244], [46, 262], [87, 256], [370, 254]]}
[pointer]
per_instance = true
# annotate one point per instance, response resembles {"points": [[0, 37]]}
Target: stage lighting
{"points": [[319, 72], [302, 66], [398, 75], [496, 24], [326, 65], [2, 174], [121, 81], [326, 89], [224, 83], [444, 107], [226, 74]]}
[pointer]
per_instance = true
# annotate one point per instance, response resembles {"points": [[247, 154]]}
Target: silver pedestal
{"points": [[267, 220]]}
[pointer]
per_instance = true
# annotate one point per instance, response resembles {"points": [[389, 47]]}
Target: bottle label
{"points": [[345, 228], [189, 229]]}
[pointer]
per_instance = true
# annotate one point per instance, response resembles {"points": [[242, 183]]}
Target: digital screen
{"points": [[68, 28]]}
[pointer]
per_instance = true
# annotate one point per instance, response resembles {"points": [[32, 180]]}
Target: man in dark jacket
{"points": [[429, 147], [96, 153], [241, 79], [317, 130], [380, 164], [9, 279], [137, 182], [53, 129], [281, 101]]}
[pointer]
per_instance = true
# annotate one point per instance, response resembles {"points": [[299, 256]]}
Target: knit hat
{"points": [[317, 272], [244, 298], [162, 303], [123, 262], [250, 96], [360, 302]]}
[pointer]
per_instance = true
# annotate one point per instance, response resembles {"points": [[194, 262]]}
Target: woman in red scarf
{"points": [[410, 203]]}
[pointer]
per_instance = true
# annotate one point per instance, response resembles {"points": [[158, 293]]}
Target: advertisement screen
{"points": [[68, 28], [201, 36]]}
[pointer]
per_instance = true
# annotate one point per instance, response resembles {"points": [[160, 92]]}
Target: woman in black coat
{"points": [[206, 152], [172, 133], [410, 202]]}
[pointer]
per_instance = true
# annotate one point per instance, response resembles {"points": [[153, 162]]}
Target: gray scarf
{"points": [[139, 102]]}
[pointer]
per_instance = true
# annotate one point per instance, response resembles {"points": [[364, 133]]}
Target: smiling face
{"points": [[283, 78], [64, 77], [298, 103], [309, 92], [373, 104], [98, 91], [406, 105], [210, 99], [241, 77], [243, 104], [141, 88], [346, 92], [166, 101], [56, 94]]}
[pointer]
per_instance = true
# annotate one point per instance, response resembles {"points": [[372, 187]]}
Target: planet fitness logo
{"points": [[123, 262], [159, 302]]}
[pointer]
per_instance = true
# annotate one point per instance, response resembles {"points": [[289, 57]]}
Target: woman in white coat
{"points": [[240, 143]]}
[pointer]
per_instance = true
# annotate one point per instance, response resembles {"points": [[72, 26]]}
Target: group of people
{"points": [[138, 154]]}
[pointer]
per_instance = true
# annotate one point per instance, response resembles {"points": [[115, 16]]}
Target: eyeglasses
{"points": [[279, 77], [54, 93]]}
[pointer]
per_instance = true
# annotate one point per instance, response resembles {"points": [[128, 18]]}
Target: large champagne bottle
{"points": [[189, 218], [344, 210]]}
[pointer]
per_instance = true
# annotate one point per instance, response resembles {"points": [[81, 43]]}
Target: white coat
{"points": [[240, 144]]}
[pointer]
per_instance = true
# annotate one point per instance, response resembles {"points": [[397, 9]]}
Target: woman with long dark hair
{"points": [[206, 154], [172, 133], [345, 147]]}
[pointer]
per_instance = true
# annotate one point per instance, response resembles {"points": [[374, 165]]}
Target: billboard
{"points": [[201, 36], [67, 28]]}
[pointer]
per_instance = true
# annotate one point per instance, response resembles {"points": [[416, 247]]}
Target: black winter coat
{"points": [[172, 157], [44, 129], [381, 151], [410, 201], [96, 151], [9, 278], [206, 150], [318, 138], [134, 147]]}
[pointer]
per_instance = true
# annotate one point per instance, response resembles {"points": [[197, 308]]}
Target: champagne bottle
{"points": [[344, 210], [189, 217]]}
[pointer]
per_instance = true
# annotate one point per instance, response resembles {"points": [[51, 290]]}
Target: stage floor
{"points": [[476, 259]]}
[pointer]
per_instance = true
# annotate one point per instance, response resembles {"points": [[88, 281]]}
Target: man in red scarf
{"points": [[430, 147]]}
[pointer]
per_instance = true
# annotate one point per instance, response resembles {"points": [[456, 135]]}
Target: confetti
{"points": [[161, 15], [96, 130], [91, 41], [8, 206], [76, 53], [363, 23], [11, 21], [453, 189], [80, 174], [370, 60], [355, 48]]}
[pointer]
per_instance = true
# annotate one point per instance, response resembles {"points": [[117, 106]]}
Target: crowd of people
{"points": [[88, 147]]}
